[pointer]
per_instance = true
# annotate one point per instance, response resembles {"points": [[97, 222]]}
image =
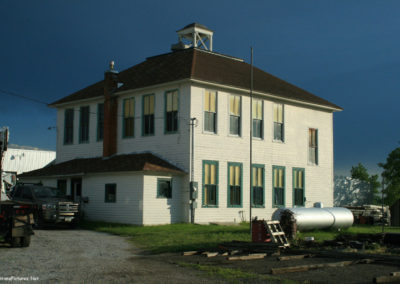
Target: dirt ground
{"points": [[80, 256], [358, 273]]}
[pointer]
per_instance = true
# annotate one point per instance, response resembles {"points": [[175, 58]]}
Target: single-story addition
{"points": [[135, 141], [120, 188]]}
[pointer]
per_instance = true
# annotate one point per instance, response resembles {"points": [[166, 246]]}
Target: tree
{"points": [[391, 174], [360, 172]]}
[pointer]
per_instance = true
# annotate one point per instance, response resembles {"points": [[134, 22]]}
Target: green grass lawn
{"points": [[175, 237], [186, 237]]}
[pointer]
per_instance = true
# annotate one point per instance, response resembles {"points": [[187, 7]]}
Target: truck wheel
{"points": [[16, 242], [25, 241]]}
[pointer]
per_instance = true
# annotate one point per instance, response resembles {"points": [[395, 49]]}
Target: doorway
{"points": [[76, 189]]}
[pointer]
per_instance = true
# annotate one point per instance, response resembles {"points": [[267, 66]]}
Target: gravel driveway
{"points": [[71, 256]]}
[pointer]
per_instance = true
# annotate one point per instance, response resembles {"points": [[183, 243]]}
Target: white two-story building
{"points": [[134, 141]]}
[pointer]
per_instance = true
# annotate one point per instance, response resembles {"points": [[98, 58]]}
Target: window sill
{"points": [[257, 206], [278, 141], [163, 197], [84, 142], [209, 206], [234, 135], [170, 132], [312, 164], [148, 135], [235, 206], [209, 132], [128, 137], [258, 138], [278, 206]]}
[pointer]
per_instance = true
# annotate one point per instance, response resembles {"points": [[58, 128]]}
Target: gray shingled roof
{"points": [[206, 66]]}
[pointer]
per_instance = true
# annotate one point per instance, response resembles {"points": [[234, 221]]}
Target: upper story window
{"points": [[171, 111], [278, 122], [278, 181], [100, 122], [257, 186], [210, 183], [84, 124], [69, 126], [257, 118], [129, 118], [313, 146], [234, 185], [210, 111], [298, 187], [234, 115], [148, 114]]}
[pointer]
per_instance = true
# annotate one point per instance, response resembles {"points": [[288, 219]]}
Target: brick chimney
{"points": [[110, 111]]}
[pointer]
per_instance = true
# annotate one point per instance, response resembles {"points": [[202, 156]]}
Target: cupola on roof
{"points": [[196, 35]]}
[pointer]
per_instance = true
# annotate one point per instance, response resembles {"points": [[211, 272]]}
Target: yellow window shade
{"points": [[257, 109], [254, 176], [169, 101], [234, 105], [151, 105], [175, 101], [280, 178], [206, 173], [278, 113], [207, 101], [231, 175], [300, 184], [212, 101], [213, 171], [237, 175], [260, 177]]}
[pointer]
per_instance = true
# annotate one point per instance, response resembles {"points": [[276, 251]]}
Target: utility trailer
{"points": [[16, 219]]}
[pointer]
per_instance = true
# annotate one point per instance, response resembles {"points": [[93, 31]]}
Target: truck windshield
{"points": [[44, 192]]}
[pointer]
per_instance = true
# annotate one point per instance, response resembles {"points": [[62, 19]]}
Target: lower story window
{"points": [[210, 183], [257, 186], [111, 193], [298, 187], [278, 181], [234, 184], [164, 188]]}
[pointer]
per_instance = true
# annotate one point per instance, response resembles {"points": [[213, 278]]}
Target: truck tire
{"points": [[16, 242], [25, 241]]}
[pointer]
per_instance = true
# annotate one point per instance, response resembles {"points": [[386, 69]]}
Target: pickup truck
{"points": [[16, 221], [51, 206]]}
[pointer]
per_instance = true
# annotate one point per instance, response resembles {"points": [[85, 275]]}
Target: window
{"points": [[257, 187], [234, 115], [234, 185], [62, 187], [69, 126], [210, 184], [257, 118], [100, 122], [313, 146], [129, 118], [148, 115], [164, 188], [171, 111], [84, 124], [278, 122], [298, 187], [210, 111], [278, 181], [111, 193]]}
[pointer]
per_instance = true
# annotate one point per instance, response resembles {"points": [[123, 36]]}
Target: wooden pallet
{"points": [[277, 235]]}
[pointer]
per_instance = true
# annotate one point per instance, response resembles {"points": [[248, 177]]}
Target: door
{"points": [[76, 189]]}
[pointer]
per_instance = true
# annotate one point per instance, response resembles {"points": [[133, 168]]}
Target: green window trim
{"points": [[152, 120], [274, 189], [258, 166], [166, 115], [210, 111], [278, 116], [313, 146], [234, 164], [235, 115], [108, 197], [161, 196], [258, 119], [294, 179], [100, 122], [124, 135], [69, 129], [216, 164]]}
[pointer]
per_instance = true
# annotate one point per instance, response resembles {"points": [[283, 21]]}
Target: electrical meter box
{"points": [[194, 189]]}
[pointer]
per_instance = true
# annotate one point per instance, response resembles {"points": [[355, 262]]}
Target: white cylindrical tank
{"points": [[319, 218]]}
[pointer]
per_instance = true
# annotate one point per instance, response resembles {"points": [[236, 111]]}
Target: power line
{"points": [[75, 110]]}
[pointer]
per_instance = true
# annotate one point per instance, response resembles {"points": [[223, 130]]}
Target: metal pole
{"points": [[192, 123], [251, 139], [383, 186]]}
